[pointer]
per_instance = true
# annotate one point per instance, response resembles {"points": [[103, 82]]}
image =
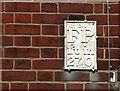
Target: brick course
{"points": [[18, 76], [22, 29]]}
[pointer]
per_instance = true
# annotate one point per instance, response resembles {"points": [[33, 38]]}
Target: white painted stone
{"points": [[80, 45]]}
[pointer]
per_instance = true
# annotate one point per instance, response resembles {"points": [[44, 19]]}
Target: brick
{"points": [[45, 76], [99, 31], [20, 86], [2, 29], [5, 86], [100, 53], [114, 53], [21, 52], [47, 41], [76, 17], [114, 42], [61, 30], [49, 18], [1, 52], [22, 41], [103, 65], [7, 40], [10, 7], [22, 64], [99, 87], [46, 86], [101, 19], [49, 53], [118, 76], [114, 31], [98, 8], [72, 76], [49, 30], [22, 7], [49, 7], [100, 42], [61, 53], [114, 19], [72, 86], [119, 20], [22, 29], [75, 8], [22, 18], [18, 76], [96, 87], [114, 8], [102, 76], [2, 7], [7, 18], [7, 64], [1, 17], [115, 64], [48, 64]]}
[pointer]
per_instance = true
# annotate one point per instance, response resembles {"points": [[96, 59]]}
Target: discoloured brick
{"points": [[95, 86], [72, 76]]}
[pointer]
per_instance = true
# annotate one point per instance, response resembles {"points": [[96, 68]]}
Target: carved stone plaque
{"points": [[80, 45]]}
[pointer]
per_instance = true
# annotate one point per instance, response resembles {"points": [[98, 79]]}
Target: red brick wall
{"points": [[33, 43]]}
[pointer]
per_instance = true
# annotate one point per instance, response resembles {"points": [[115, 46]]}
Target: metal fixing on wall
{"points": [[80, 45]]}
